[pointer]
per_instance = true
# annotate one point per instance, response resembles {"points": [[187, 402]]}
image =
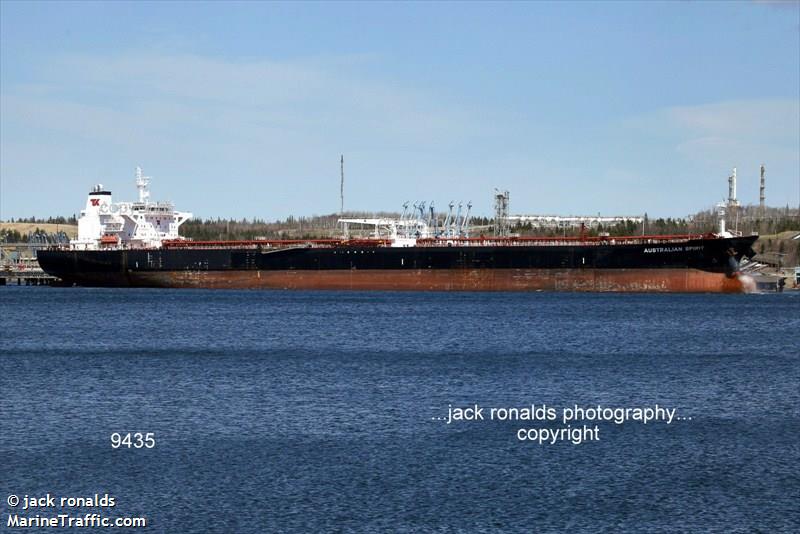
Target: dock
{"points": [[18, 266]]}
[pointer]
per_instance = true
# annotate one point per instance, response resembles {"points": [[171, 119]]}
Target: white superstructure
{"points": [[142, 224]]}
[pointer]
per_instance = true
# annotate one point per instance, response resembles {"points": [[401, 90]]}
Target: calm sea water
{"points": [[312, 411]]}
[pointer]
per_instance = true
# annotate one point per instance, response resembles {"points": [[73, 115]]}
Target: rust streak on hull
{"points": [[594, 280]]}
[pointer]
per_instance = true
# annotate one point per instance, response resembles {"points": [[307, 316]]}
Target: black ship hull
{"points": [[702, 264]]}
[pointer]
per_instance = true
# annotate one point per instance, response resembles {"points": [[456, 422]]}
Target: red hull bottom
{"points": [[605, 280]]}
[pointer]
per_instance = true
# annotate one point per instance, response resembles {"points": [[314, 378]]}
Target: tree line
{"points": [[749, 219], [72, 219]]}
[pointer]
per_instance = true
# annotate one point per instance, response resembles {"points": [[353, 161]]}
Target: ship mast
{"points": [[142, 183]]}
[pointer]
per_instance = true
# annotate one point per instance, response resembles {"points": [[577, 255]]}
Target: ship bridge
{"points": [[141, 224]]}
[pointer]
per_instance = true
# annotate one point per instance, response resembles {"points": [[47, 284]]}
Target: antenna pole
{"points": [[762, 197], [341, 188]]}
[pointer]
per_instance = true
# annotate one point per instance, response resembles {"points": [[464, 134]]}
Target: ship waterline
{"points": [[589, 280]]}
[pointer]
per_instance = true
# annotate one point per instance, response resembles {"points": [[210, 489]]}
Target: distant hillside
{"points": [[779, 249], [20, 232]]}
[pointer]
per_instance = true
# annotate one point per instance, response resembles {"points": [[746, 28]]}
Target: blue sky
{"points": [[242, 110]]}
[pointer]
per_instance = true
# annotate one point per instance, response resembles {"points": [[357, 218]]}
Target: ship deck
{"points": [[482, 241]]}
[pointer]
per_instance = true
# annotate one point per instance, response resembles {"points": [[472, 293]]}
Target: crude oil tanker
{"points": [[137, 244]]}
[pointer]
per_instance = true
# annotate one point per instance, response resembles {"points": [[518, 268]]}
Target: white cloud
{"points": [[784, 4], [209, 129], [751, 131], [263, 126], [291, 94], [722, 133], [754, 118], [701, 144]]}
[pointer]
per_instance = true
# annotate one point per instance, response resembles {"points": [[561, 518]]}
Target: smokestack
{"points": [[762, 197], [732, 188]]}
